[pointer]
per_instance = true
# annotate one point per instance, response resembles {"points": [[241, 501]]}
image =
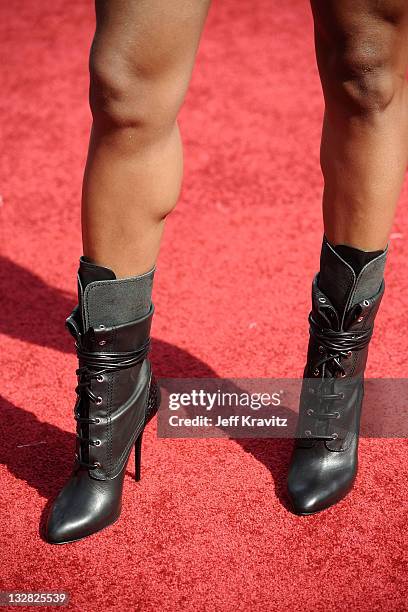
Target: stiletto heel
{"points": [[151, 409], [138, 456]]}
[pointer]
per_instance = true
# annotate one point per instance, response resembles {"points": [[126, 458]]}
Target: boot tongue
{"points": [[339, 281], [90, 272], [354, 257], [336, 277], [105, 300]]}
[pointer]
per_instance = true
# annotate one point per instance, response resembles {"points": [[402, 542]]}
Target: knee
{"points": [[359, 59], [131, 94], [363, 79]]}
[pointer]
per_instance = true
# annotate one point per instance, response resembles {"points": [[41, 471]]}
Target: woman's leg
{"points": [[141, 61], [362, 54], [140, 65]]}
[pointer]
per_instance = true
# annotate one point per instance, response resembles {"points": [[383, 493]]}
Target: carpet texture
{"points": [[208, 527]]}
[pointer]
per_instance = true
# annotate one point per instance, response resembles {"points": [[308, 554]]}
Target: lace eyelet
{"points": [[97, 421], [321, 349], [335, 436], [99, 400], [316, 372], [97, 465], [100, 378], [102, 342], [308, 433], [337, 415], [97, 442], [366, 303], [310, 411], [360, 319], [322, 300], [349, 354]]}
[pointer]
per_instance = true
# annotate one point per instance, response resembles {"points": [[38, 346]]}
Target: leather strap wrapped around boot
{"points": [[112, 392], [344, 306], [333, 377]]}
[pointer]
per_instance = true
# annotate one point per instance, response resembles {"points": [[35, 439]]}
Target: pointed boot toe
{"points": [[83, 507]]}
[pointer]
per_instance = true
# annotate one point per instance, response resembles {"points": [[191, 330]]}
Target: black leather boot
{"points": [[117, 396], [344, 306]]}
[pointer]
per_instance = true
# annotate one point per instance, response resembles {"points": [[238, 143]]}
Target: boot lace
{"points": [[334, 346], [96, 364]]}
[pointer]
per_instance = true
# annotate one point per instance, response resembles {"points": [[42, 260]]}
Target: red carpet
{"points": [[208, 526]]}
